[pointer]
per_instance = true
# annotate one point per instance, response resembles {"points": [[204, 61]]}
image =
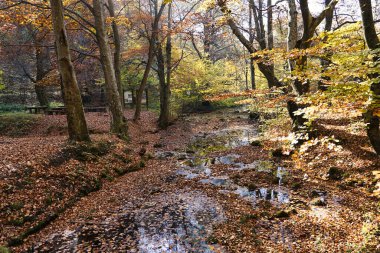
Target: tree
{"points": [[163, 120], [310, 24], [266, 69], [118, 122], [76, 121], [152, 37], [117, 53], [372, 40]]}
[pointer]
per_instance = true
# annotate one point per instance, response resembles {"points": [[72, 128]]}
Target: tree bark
{"points": [[270, 25], [118, 122], [77, 126], [326, 61], [251, 39], [164, 119], [43, 67], [373, 43], [117, 53]]}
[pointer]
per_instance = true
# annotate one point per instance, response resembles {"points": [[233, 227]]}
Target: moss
{"points": [[281, 214], [16, 206], [17, 124], [212, 240], [247, 217], [83, 152], [122, 158], [296, 185], [4, 250], [17, 222]]}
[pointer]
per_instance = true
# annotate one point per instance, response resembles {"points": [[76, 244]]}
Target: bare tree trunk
{"points": [[152, 45], [373, 43], [251, 39], [163, 121], [76, 121], [270, 25], [117, 53], [118, 122], [43, 67], [292, 30], [326, 61]]}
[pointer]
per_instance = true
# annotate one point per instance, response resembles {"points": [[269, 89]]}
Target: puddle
{"points": [[217, 181], [175, 222], [179, 223], [224, 139], [272, 195]]}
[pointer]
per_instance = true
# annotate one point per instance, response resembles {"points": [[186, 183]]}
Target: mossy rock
{"points": [[335, 173], [256, 143], [318, 202], [281, 214], [247, 217]]}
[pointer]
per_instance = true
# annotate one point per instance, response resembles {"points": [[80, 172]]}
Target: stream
{"points": [[180, 221]]}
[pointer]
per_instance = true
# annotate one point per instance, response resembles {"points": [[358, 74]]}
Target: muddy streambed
{"points": [[180, 221]]}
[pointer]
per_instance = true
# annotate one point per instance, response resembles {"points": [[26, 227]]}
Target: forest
{"points": [[209, 126]]}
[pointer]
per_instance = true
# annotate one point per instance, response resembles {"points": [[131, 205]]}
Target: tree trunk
{"points": [[310, 24], [270, 25], [326, 61], [292, 30], [152, 45], [163, 121], [76, 121], [118, 121], [373, 43], [117, 53], [251, 39], [144, 81], [43, 67]]}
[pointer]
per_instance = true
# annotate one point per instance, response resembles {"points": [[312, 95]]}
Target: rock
{"points": [[182, 156], [256, 143], [281, 214], [251, 187], [158, 145], [277, 152], [318, 202], [254, 116], [166, 154], [142, 151], [317, 193], [335, 173]]}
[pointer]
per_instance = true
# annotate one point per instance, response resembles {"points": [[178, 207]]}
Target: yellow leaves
{"points": [[376, 112]]}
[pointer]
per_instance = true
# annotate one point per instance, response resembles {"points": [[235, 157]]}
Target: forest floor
{"points": [[212, 182]]}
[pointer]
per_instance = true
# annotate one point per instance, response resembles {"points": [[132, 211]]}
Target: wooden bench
{"points": [[56, 111], [62, 110], [95, 109], [36, 109]]}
